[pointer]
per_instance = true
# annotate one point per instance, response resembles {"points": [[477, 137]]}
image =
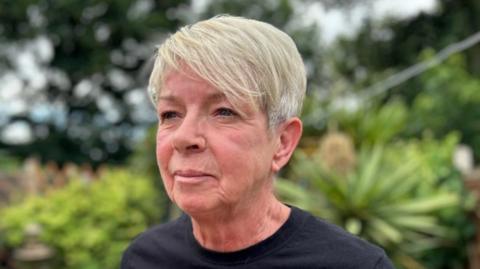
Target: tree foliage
{"points": [[381, 47], [79, 66]]}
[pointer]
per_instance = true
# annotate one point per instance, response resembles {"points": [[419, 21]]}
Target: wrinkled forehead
{"points": [[190, 87], [240, 101]]}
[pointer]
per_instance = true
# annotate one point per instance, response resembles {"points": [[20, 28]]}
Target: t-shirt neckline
{"points": [[254, 252]]}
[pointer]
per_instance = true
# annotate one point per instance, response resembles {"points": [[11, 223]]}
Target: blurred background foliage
{"points": [[72, 80], [88, 225], [83, 97]]}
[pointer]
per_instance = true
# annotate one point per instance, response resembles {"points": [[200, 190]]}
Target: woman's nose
{"points": [[189, 136]]}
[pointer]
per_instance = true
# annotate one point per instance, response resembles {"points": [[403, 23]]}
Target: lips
{"points": [[191, 176]]}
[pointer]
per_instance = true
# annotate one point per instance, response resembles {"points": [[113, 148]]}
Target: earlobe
{"points": [[289, 134]]}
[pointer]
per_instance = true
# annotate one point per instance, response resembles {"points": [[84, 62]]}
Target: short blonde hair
{"points": [[245, 59]]}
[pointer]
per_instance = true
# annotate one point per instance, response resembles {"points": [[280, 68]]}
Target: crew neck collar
{"points": [[257, 251]]}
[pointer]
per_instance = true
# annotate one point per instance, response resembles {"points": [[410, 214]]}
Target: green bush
{"points": [[374, 124], [88, 224], [400, 196], [449, 100]]}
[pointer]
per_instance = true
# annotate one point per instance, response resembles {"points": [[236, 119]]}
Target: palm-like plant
{"points": [[376, 201]]}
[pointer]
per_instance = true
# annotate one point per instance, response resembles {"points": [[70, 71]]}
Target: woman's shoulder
{"points": [[331, 242]]}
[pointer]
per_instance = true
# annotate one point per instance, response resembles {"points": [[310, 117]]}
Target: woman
{"points": [[228, 92]]}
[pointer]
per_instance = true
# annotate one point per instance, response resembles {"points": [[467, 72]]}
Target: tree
{"points": [[77, 68], [450, 100], [381, 47], [442, 99]]}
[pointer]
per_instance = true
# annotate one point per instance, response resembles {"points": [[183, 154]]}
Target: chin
{"points": [[195, 206]]}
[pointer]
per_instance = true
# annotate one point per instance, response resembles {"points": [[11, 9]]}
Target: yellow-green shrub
{"points": [[88, 224]]}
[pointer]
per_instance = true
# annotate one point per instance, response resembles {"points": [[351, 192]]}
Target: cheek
{"points": [[161, 150], [164, 153], [254, 149], [244, 157]]}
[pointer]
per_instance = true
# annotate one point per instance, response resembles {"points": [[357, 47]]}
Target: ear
{"points": [[289, 133]]}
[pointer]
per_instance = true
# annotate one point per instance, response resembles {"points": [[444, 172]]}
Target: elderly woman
{"points": [[228, 92]]}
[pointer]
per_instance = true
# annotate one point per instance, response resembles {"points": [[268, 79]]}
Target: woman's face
{"points": [[211, 156]]}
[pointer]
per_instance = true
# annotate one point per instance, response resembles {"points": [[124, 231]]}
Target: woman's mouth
{"points": [[191, 176]]}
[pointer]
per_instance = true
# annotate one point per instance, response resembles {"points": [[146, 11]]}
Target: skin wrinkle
{"points": [[257, 232], [233, 206]]}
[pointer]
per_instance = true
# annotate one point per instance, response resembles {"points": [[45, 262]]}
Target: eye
{"points": [[225, 112], [168, 115]]}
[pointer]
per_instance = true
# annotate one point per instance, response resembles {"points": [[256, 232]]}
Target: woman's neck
{"points": [[240, 227]]}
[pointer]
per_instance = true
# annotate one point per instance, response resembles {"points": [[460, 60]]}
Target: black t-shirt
{"points": [[303, 241]]}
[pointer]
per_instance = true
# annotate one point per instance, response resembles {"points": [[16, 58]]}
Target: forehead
{"points": [[184, 88], [180, 88], [179, 80], [188, 85]]}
